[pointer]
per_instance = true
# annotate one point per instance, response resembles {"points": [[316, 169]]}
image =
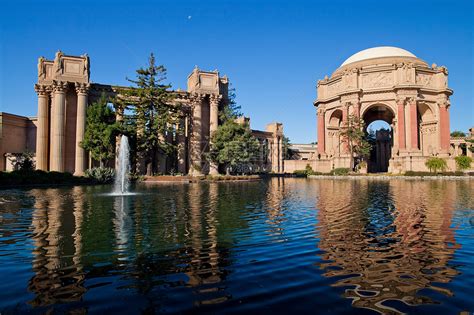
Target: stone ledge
{"points": [[393, 177]]}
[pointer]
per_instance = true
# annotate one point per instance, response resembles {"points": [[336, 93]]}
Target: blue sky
{"points": [[273, 51]]}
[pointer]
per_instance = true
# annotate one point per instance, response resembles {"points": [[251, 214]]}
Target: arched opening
{"points": [[332, 137], [378, 121], [427, 136]]}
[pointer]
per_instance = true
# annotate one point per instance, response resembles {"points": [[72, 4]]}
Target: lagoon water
{"points": [[272, 246]]}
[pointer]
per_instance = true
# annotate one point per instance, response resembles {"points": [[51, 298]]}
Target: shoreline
{"points": [[389, 177]]}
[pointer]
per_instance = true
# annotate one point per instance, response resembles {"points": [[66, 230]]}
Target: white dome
{"points": [[378, 52]]}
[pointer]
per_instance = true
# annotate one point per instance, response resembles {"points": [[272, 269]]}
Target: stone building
{"points": [[392, 85], [65, 90]]}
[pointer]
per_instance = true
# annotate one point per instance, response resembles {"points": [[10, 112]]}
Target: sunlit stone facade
{"points": [[64, 90], [393, 85]]}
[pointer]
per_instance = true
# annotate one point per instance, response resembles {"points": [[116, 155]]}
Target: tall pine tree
{"points": [[155, 113]]}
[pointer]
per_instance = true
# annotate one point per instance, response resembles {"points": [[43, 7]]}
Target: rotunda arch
{"points": [[381, 140]]}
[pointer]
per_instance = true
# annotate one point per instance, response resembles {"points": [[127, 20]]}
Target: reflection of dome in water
{"points": [[378, 52]]}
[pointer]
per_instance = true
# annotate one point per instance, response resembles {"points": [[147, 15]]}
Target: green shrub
{"points": [[38, 177], [102, 175], [300, 173], [341, 171], [463, 162], [436, 164]]}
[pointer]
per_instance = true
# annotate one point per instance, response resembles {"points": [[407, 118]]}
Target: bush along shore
{"points": [[20, 178], [40, 178]]}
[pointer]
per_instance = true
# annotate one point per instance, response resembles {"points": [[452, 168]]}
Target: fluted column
{"points": [[444, 125], [401, 123], [356, 105], [413, 124], [214, 123], [58, 132], [42, 129], [345, 109], [82, 90], [195, 168], [182, 136], [280, 154], [275, 154], [321, 132]]}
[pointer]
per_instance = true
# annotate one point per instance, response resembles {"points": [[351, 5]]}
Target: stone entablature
{"points": [[383, 77], [64, 68]]}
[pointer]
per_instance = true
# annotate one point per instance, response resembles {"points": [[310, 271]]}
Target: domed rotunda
{"points": [[393, 85]]}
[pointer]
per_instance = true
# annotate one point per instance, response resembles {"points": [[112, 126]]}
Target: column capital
{"points": [[215, 99], [413, 99], [82, 88], [400, 100], [59, 86], [42, 89], [197, 97]]}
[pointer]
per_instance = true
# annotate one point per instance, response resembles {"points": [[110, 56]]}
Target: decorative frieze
{"points": [[423, 79], [377, 79]]}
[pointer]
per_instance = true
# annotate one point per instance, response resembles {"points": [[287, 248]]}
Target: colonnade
{"points": [[50, 155], [406, 121]]}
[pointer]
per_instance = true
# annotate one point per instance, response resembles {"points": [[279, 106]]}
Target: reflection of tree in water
{"points": [[382, 241]]}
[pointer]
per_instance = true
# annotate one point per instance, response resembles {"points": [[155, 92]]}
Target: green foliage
{"points": [[436, 164], [463, 162], [341, 171], [23, 161], [234, 146], [306, 172], [353, 135], [38, 178], [155, 113], [470, 144], [101, 129], [457, 133], [288, 154], [230, 110], [101, 175]]}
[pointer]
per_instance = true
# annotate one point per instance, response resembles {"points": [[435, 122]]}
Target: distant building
{"points": [[395, 86]]}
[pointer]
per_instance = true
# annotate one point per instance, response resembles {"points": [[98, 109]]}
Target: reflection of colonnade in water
{"points": [[59, 276], [204, 268], [386, 249]]}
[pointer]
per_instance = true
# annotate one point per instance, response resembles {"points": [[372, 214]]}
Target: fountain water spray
{"points": [[123, 168]]}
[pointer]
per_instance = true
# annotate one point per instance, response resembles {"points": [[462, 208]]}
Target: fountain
{"points": [[122, 181]]}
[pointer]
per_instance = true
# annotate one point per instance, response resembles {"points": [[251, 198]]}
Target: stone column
{"points": [[345, 109], [182, 136], [82, 90], [119, 111], [444, 125], [275, 154], [401, 123], [195, 168], [356, 105], [413, 124], [321, 132], [280, 154], [42, 130], [58, 132], [214, 123]]}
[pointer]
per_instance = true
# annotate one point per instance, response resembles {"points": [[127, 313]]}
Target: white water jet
{"points": [[122, 182]]}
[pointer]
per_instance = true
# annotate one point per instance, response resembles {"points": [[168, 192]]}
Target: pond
{"points": [[277, 245]]}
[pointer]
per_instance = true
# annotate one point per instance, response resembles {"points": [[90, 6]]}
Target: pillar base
{"points": [[213, 170]]}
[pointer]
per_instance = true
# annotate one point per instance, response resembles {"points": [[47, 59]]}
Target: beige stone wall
{"points": [[17, 135]]}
